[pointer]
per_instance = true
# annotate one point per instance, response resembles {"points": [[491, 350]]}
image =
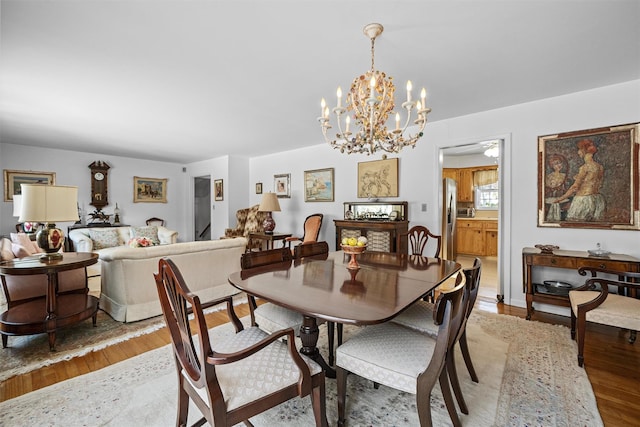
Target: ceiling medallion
{"points": [[370, 100]]}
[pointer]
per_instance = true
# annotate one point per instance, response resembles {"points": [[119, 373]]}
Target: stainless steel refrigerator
{"points": [[449, 213]]}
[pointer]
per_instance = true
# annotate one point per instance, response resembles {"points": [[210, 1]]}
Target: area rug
{"points": [[29, 352], [527, 369]]}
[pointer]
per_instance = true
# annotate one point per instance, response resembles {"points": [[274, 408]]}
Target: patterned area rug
{"points": [[528, 377]]}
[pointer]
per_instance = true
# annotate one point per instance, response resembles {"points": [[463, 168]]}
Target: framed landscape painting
{"points": [[149, 190], [378, 178], [13, 179], [318, 185], [589, 178]]}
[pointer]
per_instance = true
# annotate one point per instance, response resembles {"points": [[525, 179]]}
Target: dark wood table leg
{"points": [[309, 333], [52, 287]]}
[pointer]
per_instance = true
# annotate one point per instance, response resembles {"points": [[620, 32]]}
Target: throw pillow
{"points": [[150, 232], [23, 240], [104, 238], [19, 251], [6, 250]]}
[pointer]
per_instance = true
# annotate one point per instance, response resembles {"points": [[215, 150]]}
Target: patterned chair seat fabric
{"points": [[419, 317], [260, 374], [616, 310], [397, 364], [272, 317]]}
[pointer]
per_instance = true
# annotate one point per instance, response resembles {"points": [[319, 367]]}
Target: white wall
{"points": [[419, 177], [419, 172], [72, 168]]}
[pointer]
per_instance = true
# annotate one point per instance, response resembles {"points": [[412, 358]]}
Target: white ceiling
{"points": [[183, 81]]}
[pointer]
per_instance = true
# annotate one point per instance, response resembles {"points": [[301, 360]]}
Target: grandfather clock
{"points": [[99, 193]]}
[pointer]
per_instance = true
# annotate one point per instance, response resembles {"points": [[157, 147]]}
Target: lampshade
{"points": [[17, 204], [269, 203], [48, 203]]}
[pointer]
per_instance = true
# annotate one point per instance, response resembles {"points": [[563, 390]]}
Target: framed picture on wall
{"points": [[589, 178], [218, 190], [318, 185], [13, 179], [149, 190], [378, 178], [258, 188], [282, 185]]}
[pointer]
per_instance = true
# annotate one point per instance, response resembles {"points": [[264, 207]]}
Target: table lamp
{"points": [[27, 227], [49, 204], [269, 204]]}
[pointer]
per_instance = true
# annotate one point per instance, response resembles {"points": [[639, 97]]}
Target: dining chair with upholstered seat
{"points": [[417, 239], [312, 226], [418, 317], [405, 359], [594, 302], [233, 379]]}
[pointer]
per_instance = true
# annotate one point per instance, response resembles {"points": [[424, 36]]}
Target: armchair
{"points": [[250, 220], [594, 303], [312, 226]]}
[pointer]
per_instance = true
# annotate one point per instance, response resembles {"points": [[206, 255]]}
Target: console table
{"points": [[49, 309], [572, 260]]}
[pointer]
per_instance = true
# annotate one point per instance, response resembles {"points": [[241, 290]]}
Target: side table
{"points": [[270, 238], [51, 309]]}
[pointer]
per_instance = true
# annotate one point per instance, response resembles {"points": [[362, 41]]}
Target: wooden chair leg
{"points": [[448, 398], [318, 401], [340, 328], [330, 329], [573, 325], [455, 384], [581, 329], [341, 383], [5, 339], [183, 402], [464, 347]]}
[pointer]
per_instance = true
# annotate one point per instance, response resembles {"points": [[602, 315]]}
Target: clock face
{"points": [[99, 176]]}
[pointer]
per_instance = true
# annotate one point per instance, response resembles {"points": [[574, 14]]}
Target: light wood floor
{"points": [[612, 364]]}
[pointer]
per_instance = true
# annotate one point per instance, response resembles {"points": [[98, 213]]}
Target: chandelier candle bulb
{"points": [[423, 98], [347, 120], [323, 104], [409, 87], [339, 95], [397, 121]]}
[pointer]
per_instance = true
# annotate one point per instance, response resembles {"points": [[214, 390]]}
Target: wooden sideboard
{"points": [[381, 234], [571, 260]]}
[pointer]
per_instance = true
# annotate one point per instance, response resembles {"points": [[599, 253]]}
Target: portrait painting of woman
{"points": [[586, 178]]}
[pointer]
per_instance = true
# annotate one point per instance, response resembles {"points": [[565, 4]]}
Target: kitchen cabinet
{"points": [[477, 237], [464, 179]]}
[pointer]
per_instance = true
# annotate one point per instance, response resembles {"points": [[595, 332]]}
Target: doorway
{"points": [[477, 209], [202, 203]]}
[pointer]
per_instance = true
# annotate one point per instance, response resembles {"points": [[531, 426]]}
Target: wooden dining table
{"points": [[322, 287]]}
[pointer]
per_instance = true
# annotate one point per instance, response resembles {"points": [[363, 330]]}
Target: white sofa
{"points": [[128, 286], [82, 242]]}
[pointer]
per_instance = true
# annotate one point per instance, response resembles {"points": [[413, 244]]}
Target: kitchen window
{"points": [[487, 190]]}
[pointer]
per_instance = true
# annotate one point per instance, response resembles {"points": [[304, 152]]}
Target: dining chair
{"points": [[268, 316], [231, 380], [594, 302], [312, 225], [417, 239], [418, 317], [155, 221], [405, 359]]}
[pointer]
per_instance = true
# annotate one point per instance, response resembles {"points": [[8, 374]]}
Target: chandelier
{"points": [[370, 100]]}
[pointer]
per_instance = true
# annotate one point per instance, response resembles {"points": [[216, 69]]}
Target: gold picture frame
{"points": [[149, 190], [589, 178], [378, 178], [319, 185], [218, 190], [13, 179]]}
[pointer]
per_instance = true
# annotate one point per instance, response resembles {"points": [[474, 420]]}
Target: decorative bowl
{"points": [[547, 249], [557, 284], [599, 253], [353, 251]]}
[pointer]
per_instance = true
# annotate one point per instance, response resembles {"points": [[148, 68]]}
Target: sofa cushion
{"points": [[149, 231], [104, 238]]}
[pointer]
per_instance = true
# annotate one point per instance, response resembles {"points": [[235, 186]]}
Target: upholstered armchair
{"points": [[250, 220]]}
